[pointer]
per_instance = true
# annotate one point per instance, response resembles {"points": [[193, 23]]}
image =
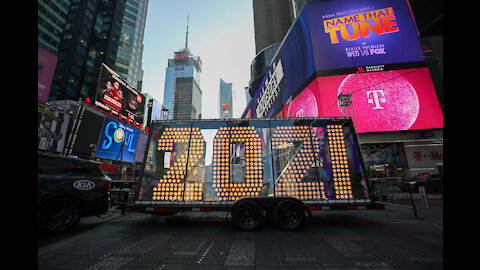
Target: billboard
{"points": [[341, 37], [117, 141], [118, 97], [392, 100], [361, 33], [52, 129], [46, 68], [87, 132]]}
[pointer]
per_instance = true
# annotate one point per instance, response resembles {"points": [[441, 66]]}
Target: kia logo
{"points": [[84, 184]]}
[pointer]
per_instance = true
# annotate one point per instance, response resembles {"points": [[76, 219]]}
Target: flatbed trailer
{"points": [[283, 167]]}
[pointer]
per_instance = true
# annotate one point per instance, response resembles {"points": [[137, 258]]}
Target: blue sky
{"points": [[220, 32]]}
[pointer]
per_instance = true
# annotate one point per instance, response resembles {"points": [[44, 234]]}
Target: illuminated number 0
{"points": [[224, 189]]}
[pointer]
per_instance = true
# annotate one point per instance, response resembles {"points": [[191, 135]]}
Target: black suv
{"points": [[69, 189]]}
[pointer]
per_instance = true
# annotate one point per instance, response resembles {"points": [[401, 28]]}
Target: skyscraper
{"points": [[52, 15], [225, 103], [272, 19], [130, 50], [183, 77], [90, 38]]}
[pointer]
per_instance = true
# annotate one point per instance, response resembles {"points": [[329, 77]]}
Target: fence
{"points": [[388, 191]]}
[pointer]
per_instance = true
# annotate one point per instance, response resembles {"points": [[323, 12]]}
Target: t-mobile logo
{"points": [[376, 98]]}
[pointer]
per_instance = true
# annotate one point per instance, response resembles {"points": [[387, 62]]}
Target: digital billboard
{"points": [[87, 131], [340, 37], [361, 33], [390, 100], [120, 98], [117, 141], [52, 129], [46, 68]]}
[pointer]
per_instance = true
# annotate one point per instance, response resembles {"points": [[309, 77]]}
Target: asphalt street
{"points": [[391, 238]]}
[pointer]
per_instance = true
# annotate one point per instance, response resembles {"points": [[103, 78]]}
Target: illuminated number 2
{"points": [[290, 181], [222, 185], [171, 186]]}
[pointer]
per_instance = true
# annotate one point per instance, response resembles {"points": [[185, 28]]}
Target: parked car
{"points": [[430, 180], [69, 189]]}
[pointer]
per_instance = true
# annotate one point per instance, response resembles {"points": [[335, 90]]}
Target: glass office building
{"points": [[90, 37], [183, 65], [130, 50]]}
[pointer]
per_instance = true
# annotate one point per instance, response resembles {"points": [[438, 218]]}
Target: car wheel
{"points": [[247, 215], [59, 216], [288, 215]]}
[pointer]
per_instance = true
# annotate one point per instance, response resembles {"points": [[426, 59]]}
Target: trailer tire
{"points": [[247, 215], [288, 215]]}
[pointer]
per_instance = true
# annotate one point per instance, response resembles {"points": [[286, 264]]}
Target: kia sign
{"points": [[84, 184], [118, 97], [391, 100], [117, 141]]}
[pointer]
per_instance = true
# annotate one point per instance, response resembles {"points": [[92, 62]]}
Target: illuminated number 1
{"points": [[341, 173], [224, 189], [171, 186]]}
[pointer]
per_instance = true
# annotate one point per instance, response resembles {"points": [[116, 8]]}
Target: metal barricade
{"points": [[388, 191], [122, 194]]}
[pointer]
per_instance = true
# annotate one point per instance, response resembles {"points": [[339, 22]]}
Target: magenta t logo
{"points": [[376, 98]]}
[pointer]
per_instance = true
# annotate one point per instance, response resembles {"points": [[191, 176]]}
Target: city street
{"points": [[342, 239]]}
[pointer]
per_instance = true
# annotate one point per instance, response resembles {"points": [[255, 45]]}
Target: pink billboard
{"points": [[46, 68], [380, 101]]}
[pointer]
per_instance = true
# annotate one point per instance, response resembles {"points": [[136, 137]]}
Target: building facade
{"points": [[130, 50], [272, 19], [52, 16], [90, 37], [225, 100], [188, 99]]}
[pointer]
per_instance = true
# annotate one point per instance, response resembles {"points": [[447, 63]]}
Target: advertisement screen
{"points": [[361, 33], [391, 100], [46, 68], [336, 37], [88, 131], [116, 95], [117, 141], [52, 130]]}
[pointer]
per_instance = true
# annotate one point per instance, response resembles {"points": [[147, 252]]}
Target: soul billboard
{"points": [[117, 141]]}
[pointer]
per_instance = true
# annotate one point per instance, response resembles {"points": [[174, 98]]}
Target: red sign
{"points": [[179, 56], [106, 167], [432, 155]]}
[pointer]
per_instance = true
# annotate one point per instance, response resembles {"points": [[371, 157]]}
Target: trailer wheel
{"points": [[247, 215], [288, 215]]}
